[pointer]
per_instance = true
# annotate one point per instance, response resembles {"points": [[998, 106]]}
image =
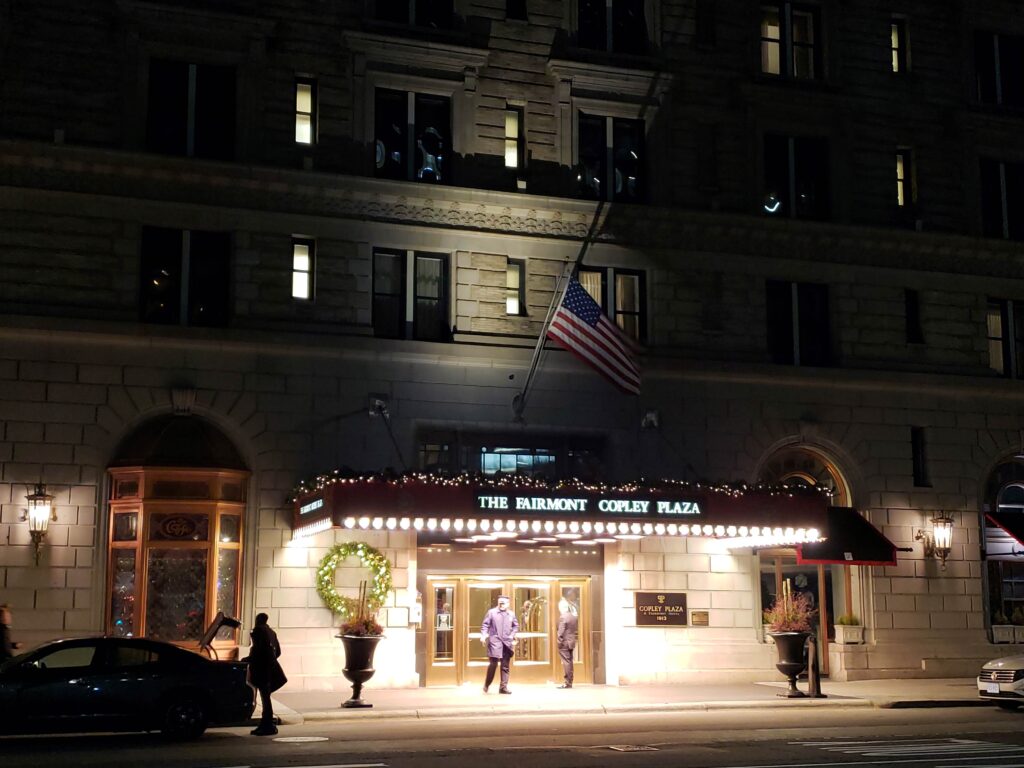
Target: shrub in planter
{"points": [[849, 630]]}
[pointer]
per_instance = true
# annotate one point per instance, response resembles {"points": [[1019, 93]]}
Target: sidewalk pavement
{"points": [[469, 701]]}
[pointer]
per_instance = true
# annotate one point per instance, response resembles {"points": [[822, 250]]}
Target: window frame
{"points": [[517, 267], [788, 45], [651, 30], [609, 301], [186, 313], [990, 74], [1008, 344], [313, 111], [611, 115], [796, 146], [309, 272], [906, 179], [786, 333], [518, 141], [195, 141], [899, 43], [408, 325], [1010, 203], [412, 174]]}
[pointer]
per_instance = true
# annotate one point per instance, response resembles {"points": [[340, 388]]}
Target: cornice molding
{"points": [[69, 169]]}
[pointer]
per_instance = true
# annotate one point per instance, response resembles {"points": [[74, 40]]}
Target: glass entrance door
{"points": [[456, 609]]}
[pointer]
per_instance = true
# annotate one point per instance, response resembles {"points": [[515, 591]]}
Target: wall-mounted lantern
{"points": [[939, 540], [39, 515]]}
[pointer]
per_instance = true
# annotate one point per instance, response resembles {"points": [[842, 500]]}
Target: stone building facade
{"points": [[811, 226]]}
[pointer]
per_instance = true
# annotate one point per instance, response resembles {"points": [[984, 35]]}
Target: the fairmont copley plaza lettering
{"points": [[564, 504]]}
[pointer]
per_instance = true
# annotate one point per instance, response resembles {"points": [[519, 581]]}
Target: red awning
{"points": [[850, 540], [1011, 522]]}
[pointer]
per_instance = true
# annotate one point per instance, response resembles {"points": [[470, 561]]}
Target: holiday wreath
{"points": [[380, 582]]}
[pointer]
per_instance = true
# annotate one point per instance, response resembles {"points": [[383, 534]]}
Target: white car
{"points": [[1002, 681]]}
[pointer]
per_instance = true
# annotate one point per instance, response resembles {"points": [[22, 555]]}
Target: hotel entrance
{"points": [[455, 606]]}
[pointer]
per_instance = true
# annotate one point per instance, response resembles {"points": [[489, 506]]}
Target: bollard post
{"points": [[813, 670]]}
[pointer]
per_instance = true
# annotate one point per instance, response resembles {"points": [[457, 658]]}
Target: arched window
{"points": [[177, 504], [824, 585], [1003, 550]]}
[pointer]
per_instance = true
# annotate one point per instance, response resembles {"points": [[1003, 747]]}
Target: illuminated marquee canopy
{"points": [[474, 509]]}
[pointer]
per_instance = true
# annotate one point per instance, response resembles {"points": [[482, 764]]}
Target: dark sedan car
{"points": [[121, 684]]}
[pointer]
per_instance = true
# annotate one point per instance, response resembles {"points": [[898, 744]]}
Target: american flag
{"points": [[581, 327]]}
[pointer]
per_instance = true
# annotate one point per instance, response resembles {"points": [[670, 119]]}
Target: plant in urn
{"points": [[789, 625], [360, 635]]}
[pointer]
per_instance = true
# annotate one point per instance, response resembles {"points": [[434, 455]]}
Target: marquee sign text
{"points": [[658, 507]]}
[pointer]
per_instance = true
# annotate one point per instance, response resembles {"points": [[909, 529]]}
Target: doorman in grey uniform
{"points": [[568, 624], [498, 633]]}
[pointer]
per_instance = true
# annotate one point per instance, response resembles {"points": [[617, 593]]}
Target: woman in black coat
{"points": [[265, 672]]}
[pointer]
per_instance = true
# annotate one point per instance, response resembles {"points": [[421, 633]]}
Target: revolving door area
{"points": [[454, 608]]}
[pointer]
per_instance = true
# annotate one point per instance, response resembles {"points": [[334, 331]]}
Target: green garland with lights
{"points": [[377, 591]]}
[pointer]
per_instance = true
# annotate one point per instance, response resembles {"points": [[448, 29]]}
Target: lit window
{"points": [[624, 302], [514, 138], [305, 115], [1004, 324], [904, 178], [515, 288], [789, 41], [898, 34], [302, 269]]}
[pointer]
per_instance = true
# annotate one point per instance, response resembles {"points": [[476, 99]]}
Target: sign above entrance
{"points": [[660, 609], [642, 507]]}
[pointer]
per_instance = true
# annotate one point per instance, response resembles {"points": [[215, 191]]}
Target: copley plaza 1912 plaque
{"points": [[660, 609]]}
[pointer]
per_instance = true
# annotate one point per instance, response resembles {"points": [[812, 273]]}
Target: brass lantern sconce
{"points": [[939, 540], [39, 515]]}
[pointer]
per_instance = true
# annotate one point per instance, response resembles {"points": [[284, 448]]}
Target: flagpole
{"points": [[519, 401]]}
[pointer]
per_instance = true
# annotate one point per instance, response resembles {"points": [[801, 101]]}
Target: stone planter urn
{"points": [[1002, 633], [849, 634], [791, 658], [359, 664]]}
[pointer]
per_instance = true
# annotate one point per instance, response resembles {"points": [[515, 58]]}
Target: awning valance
{"points": [[849, 540], [481, 506], [1011, 522]]}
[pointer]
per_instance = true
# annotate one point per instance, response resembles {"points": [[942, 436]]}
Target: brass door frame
{"points": [[464, 632]]}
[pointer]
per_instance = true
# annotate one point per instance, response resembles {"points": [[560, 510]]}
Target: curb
{"points": [[696, 706]]}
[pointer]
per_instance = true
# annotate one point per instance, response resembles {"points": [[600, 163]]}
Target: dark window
{"points": [[430, 278], [790, 41], [912, 313], [388, 294], [999, 67], [515, 9], [798, 323], [919, 457], [611, 157], [413, 136], [191, 110], [705, 25], [899, 43], [626, 303], [796, 177], [425, 316], [435, 14], [619, 26], [1002, 199], [185, 277]]}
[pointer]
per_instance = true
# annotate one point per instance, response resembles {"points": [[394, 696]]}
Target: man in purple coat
{"points": [[498, 633]]}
